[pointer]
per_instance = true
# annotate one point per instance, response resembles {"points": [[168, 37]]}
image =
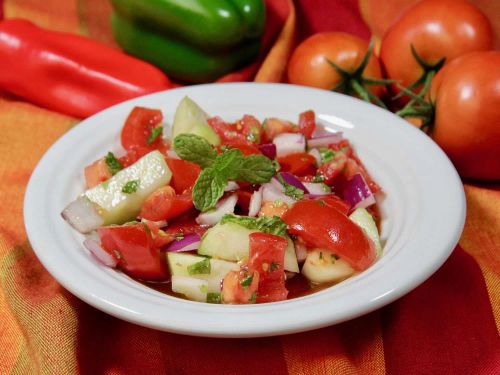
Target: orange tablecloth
{"points": [[448, 325]]}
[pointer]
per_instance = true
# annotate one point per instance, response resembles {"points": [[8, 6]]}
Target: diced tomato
{"points": [[134, 247], [273, 126], [160, 238], [251, 128], [186, 224], [330, 170], [247, 130], [335, 202], [267, 257], [300, 164], [184, 174], [344, 146], [321, 226], [246, 148], [164, 204], [138, 127], [96, 173], [240, 287], [307, 123], [133, 155]]}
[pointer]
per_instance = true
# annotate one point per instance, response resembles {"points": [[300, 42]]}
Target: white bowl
{"points": [[423, 213]]}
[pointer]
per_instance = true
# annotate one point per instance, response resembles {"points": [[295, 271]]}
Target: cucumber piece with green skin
{"points": [[179, 265], [117, 207], [107, 203], [231, 242], [322, 267], [190, 118], [194, 289], [363, 218]]}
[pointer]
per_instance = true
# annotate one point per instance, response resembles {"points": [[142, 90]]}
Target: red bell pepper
{"points": [[69, 73]]}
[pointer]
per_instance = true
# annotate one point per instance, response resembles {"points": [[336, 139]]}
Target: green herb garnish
{"points": [[200, 268], [155, 133], [327, 154], [274, 266], [113, 163], [131, 186], [253, 298], [214, 297], [266, 224], [291, 190], [247, 281]]}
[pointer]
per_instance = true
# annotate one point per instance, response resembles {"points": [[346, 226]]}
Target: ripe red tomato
{"points": [[466, 95], [299, 164], [308, 64], [135, 250], [247, 130], [267, 257], [436, 29], [164, 204], [320, 225], [184, 174], [138, 127]]}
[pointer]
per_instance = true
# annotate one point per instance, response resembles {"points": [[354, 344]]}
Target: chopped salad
{"points": [[229, 212]]}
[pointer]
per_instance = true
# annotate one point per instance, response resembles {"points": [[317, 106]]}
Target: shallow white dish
{"points": [[423, 213]]}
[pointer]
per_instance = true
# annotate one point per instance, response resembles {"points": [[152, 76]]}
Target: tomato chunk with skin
{"points": [[240, 287], [184, 174], [165, 204], [96, 173], [267, 257], [307, 123], [335, 202], [322, 226], [134, 248], [299, 164], [138, 127]]}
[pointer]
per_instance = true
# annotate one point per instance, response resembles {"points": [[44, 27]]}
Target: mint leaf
{"points": [[228, 162], [207, 190], [196, 149], [113, 163], [247, 281], [266, 224], [131, 186], [255, 169], [213, 297], [200, 268], [155, 133], [327, 154]]}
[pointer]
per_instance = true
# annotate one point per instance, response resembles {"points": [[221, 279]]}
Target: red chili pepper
{"points": [[69, 73]]}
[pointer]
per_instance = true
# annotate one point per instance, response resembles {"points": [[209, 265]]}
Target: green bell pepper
{"points": [[191, 40]]}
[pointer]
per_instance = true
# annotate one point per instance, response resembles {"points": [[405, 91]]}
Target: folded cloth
{"points": [[448, 325]]}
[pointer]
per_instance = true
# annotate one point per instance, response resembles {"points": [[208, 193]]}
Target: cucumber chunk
{"points": [[180, 264], [322, 267], [190, 118], [363, 218], [194, 289], [117, 207]]}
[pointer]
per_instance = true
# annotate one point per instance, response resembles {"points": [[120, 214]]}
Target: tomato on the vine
{"points": [[466, 99], [310, 65], [437, 30]]}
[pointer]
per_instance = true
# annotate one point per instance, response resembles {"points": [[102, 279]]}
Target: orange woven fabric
{"points": [[448, 325]]}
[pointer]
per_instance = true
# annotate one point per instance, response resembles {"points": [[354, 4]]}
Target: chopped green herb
{"points": [[200, 268], [155, 133], [179, 236], [214, 297], [291, 190], [131, 186], [246, 281], [253, 298], [326, 188], [113, 163], [327, 154], [266, 224], [274, 266], [318, 178]]}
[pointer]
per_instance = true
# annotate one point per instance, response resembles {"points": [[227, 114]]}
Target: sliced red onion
{"points": [[224, 206], [315, 152], [99, 253], [300, 251], [255, 203], [357, 192], [289, 143], [172, 154], [189, 242], [82, 215], [231, 186], [269, 150], [271, 194], [317, 189], [325, 140], [290, 179]]}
